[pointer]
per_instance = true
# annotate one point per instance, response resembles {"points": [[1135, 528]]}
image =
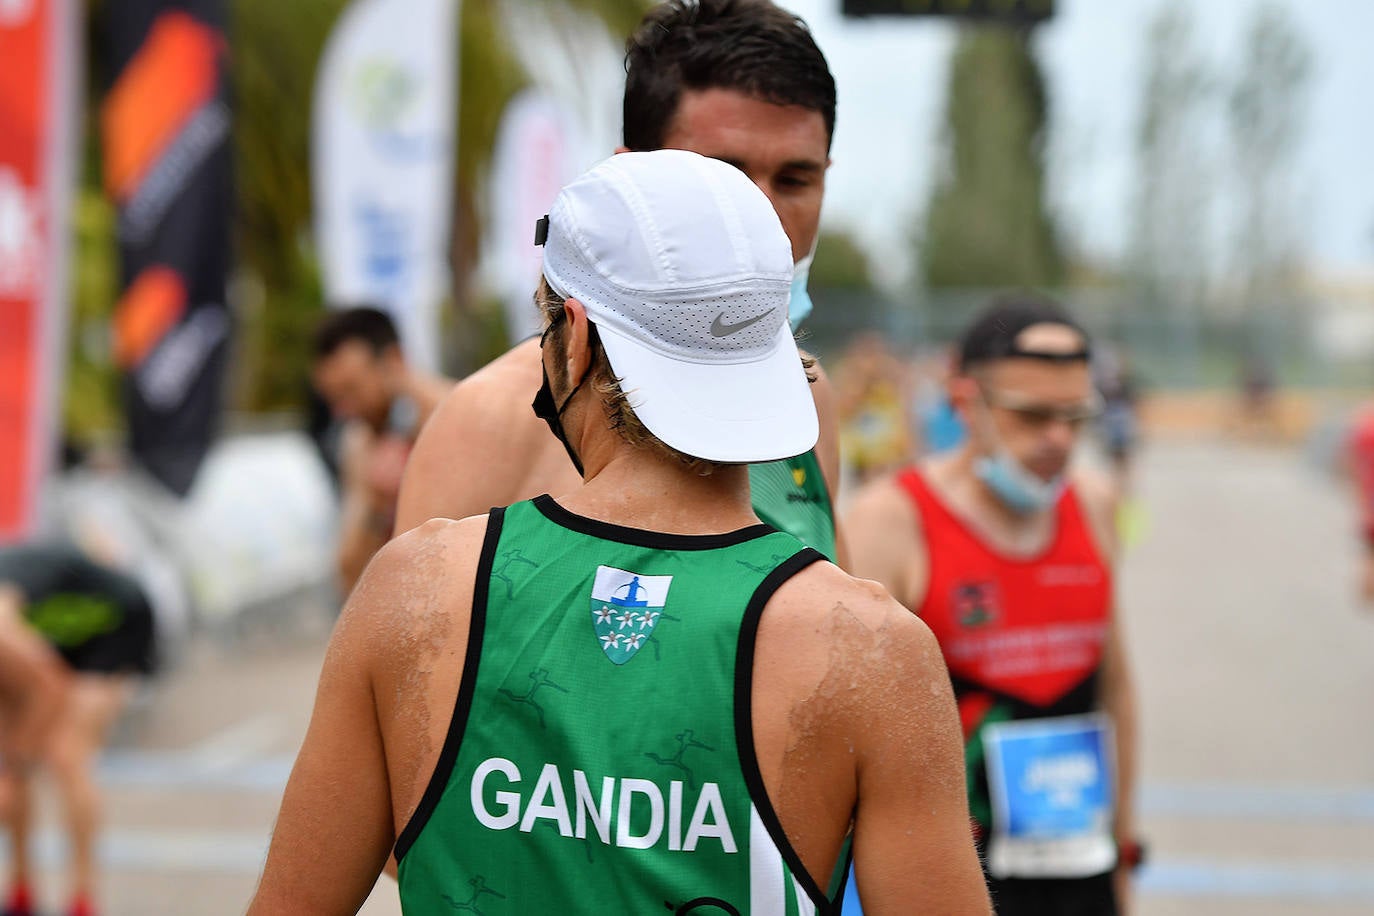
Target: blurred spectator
{"points": [[98, 626], [873, 393], [1360, 462], [361, 373], [1008, 558], [1258, 387], [1120, 422], [935, 418]]}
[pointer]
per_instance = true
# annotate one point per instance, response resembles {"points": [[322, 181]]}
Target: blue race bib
{"points": [[1052, 787]]}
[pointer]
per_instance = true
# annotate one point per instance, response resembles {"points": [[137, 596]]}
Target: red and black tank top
{"points": [[1022, 636]]}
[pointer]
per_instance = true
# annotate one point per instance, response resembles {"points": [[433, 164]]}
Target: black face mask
{"points": [[548, 410], [551, 413]]}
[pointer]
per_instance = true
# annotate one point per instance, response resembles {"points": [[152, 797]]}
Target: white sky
{"points": [[891, 76]]}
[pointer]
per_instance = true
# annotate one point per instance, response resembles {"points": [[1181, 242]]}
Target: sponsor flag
{"points": [[382, 162], [165, 126], [535, 156], [38, 79]]}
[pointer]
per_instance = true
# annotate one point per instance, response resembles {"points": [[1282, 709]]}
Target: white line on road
{"points": [[240, 742], [1270, 803], [240, 852], [196, 770]]}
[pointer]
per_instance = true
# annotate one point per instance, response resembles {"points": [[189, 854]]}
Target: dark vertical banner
{"points": [[165, 126], [38, 76]]}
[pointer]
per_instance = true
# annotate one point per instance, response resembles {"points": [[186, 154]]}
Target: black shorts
{"points": [[1093, 896], [97, 619]]}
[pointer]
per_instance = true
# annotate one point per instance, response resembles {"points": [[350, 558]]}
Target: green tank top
{"points": [[601, 757], [791, 496]]}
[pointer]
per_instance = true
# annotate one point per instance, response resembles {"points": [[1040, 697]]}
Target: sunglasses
{"points": [[1039, 414]]}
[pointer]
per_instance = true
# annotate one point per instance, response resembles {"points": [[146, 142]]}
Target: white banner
{"points": [[383, 151], [538, 150]]}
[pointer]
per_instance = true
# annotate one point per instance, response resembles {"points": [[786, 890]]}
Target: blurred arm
{"points": [[885, 541], [363, 526], [913, 846], [1119, 700], [335, 829], [1117, 680], [828, 454], [484, 447]]}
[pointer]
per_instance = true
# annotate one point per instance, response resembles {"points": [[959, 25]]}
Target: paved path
{"points": [[1256, 667], [1257, 676]]}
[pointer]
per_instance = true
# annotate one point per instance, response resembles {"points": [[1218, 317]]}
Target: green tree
{"points": [[1171, 261], [841, 264], [275, 50], [1267, 106], [1170, 258], [987, 223]]}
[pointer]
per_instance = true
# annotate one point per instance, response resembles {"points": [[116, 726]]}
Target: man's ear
{"points": [[963, 392], [577, 338]]}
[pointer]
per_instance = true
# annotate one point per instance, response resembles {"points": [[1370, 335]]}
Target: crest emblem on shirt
{"points": [[626, 606], [976, 604]]}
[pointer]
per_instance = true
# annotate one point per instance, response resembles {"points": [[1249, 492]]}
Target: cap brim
{"points": [[725, 412]]}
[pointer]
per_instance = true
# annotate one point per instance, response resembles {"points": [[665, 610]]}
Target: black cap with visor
{"points": [[994, 335]]}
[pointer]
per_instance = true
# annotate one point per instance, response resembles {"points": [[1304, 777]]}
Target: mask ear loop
{"points": [[544, 406]]}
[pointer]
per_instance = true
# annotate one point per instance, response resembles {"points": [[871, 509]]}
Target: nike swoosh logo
{"points": [[721, 329]]}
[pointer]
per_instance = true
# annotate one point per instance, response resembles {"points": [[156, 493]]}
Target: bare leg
{"points": [[95, 702], [16, 810]]}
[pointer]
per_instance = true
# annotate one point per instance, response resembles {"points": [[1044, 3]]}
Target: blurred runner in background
{"points": [[1259, 414], [874, 395], [737, 80], [99, 625], [1120, 422], [937, 422], [1360, 462], [1009, 562], [361, 373]]}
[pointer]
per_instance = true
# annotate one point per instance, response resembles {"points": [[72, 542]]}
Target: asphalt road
{"points": [[1255, 662]]}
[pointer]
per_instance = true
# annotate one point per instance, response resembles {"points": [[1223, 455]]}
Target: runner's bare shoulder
{"points": [[492, 395], [823, 620], [478, 443], [427, 572]]}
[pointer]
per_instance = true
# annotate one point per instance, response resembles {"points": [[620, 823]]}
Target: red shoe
{"points": [[20, 902], [81, 906]]}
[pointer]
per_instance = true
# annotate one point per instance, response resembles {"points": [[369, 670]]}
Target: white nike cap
{"points": [[685, 270]]}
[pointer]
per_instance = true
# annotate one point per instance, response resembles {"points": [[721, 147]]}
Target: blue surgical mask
{"points": [[799, 306], [1019, 490]]}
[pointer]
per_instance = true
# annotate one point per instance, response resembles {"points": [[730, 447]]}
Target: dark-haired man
{"points": [[635, 698], [1010, 564], [737, 80], [362, 375]]}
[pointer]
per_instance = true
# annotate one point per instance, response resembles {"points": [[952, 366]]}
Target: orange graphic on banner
{"points": [[149, 308], [173, 74]]}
